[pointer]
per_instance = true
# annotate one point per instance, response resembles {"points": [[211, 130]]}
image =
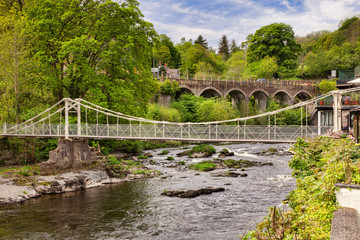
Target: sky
{"points": [[239, 18]]}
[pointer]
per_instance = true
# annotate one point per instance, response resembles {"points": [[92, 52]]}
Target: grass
{"points": [[164, 152], [141, 172], [142, 157], [181, 163], [203, 166], [203, 148], [113, 161], [170, 158]]}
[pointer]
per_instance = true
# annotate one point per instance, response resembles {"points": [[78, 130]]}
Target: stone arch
{"points": [[183, 90], [302, 96], [237, 96], [283, 97], [210, 92], [261, 98]]}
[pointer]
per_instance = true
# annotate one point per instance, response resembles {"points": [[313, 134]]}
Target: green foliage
{"points": [[347, 22], [275, 40], [236, 64], [203, 148], [160, 113], [265, 68], [164, 51], [170, 158], [181, 162], [197, 59], [142, 157], [188, 106], [327, 85], [289, 117], [214, 110], [113, 160], [100, 50], [201, 41], [203, 166], [164, 152], [168, 87], [224, 50]]}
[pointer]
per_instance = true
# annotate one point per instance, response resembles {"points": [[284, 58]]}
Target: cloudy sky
{"points": [[239, 18]]}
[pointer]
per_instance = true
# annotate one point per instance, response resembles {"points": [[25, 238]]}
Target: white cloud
{"points": [[239, 18]]}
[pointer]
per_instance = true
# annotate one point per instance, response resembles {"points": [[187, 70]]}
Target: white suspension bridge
{"points": [[78, 118]]}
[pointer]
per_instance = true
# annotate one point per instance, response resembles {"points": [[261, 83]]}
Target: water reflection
{"points": [[136, 210]]}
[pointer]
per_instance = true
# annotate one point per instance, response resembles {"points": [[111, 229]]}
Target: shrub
{"points": [[170, 158], [142, 157], [113, 160], [164, 152]]}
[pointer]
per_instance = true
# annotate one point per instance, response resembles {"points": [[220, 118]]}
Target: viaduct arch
{"points": [[285, 91]]}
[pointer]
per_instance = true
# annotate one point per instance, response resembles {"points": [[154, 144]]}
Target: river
{"points": [[137, 210]]}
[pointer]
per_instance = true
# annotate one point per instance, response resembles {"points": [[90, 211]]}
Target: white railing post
{"points": [[269, 130], [4, 128], [209, 131], [181, 130], [337, 110], [216, 131], [319, 123], [78, 110], [238, 129], [66, 118], [163, 130]]}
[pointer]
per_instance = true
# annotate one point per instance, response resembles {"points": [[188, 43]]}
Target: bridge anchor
{"points": [[69, 154]]}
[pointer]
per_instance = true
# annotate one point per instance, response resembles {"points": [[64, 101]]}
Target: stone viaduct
{"points": [[286, 91]]}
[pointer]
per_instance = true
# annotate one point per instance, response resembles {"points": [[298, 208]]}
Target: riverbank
{"points": [[317, 164], [23, 183]]}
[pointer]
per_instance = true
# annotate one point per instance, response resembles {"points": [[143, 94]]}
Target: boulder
{"points": [[192, 193]]}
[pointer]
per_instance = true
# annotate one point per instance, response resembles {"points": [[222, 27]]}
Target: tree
{"points": [[196, 58], [100, 50], [265, 68], [17, 86], [224, 48], [201, 41], [236, 64], [274, 40], [234, 47], [165, 51]]}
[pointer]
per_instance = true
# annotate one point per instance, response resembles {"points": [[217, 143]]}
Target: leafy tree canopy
{"points": [[165, 51], [98, 50], [274, 40]]}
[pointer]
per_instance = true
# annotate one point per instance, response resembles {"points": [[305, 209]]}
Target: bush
{"points": [[160, 113], [317, 165], [113, 160]]}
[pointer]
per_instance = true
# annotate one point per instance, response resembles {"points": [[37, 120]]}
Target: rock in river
{"points": [[192, 193]]}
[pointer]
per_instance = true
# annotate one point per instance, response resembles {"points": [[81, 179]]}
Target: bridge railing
{"points": [[212, 78], [185, 132]]}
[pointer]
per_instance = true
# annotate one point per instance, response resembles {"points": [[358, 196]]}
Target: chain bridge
{"points": [[78, 118]]}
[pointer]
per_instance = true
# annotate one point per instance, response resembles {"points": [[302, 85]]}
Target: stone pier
{"points": [[69, 154]]}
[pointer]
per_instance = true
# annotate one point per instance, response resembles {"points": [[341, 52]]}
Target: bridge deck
{"points": [[186, 132]]}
